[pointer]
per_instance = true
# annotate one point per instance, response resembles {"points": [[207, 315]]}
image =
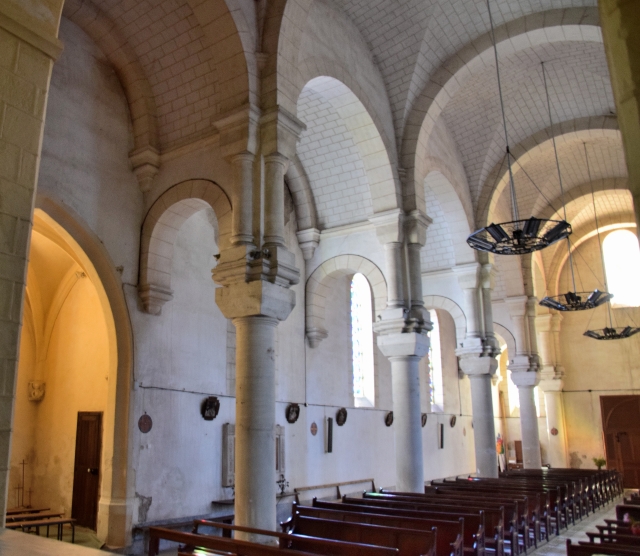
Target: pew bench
{"points": [[59, 522], [589, 549]]}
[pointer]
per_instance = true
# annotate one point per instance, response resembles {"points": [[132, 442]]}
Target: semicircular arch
{"points": [[441, 303]]}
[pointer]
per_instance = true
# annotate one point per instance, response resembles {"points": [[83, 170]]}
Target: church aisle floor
{"points": [[557, 545], [15, 543]]}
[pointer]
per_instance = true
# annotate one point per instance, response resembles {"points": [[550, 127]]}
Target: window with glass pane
{"points": [[362, 342], [436, 393], [622, 266]]}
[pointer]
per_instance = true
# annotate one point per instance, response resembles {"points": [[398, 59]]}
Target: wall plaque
{"points": [[423, 419], [314, 429], [145, 423], [209, 408], [292, 413], [388, 419], [341, 416], [554, 431]]}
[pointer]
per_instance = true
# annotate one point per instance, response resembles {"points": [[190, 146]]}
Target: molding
{"points": [[347, 229], [50, 46]]}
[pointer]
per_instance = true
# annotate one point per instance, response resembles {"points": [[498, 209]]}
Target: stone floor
{"points": [[557, 545]]}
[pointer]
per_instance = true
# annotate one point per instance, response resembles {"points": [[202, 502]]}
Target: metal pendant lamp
{"points": [[572, 300], [610, 332], [517, 237]]}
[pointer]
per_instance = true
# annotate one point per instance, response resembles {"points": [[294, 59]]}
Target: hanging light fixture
{"points": [[517, 237], [572, 300], [608, 332]]}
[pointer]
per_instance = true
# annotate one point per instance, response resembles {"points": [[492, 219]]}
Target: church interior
{"points": [[235, 232]]}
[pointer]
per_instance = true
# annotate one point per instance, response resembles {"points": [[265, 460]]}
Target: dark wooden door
{"points": [[86, 474], [621, 427]]}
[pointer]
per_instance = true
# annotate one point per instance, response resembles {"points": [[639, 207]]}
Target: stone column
{"points": [[255, 449], [242, 217], [548, 327], [479, 364], [402, 337], [524, 374], [405, 350], [275, 166], [620, 23], [27, 59]]}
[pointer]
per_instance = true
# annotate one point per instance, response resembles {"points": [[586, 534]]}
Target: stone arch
{"points": [[106, 35], [580, 130], [456, 217], [322, 280], [507, 336], [442, 303], [116, 490], [298, 184], [559, 25], [160, 229], [380, 171]]}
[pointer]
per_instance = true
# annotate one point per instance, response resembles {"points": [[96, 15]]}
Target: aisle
{"points": [[557, 546]]}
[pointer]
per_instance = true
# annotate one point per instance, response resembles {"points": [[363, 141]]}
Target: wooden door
{"points": [[86, 474], [621, 428]]}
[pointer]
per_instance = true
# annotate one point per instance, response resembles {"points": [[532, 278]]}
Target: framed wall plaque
{"points": [[145, 423], [423, 419], [388, 420], [292, 413], [341, 416]]}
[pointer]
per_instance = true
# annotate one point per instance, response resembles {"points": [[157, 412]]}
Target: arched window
{"points": [[436, 394], [362, 342], [622, 267]]}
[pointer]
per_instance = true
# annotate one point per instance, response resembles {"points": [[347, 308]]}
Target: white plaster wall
{"points": [[87, 138]]}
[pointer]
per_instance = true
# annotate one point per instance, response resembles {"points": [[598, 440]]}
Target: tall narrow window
{"points": [[436, 394], [622, 266], [362, 342]]}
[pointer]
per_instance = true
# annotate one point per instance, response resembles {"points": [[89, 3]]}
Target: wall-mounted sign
{"points": [[292, 413], [209, 408], [145, 423], [388, 420], [341, 416]]}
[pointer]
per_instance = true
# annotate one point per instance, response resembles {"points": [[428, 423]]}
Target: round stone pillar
{"points": [[407, 424], [275, 166], [526, 381], [255, 443], [554, 402]]}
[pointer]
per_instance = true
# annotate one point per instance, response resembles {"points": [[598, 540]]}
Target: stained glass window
{"points": [[622, 264], [362, 342], [436, 394]]}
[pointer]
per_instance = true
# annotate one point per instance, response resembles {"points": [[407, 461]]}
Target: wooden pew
{"points": [[618, 538], [304, 543], [23, 510], [593, 549], [631, 509], [516, 520], [229, 546], [473, 534], [59, 522], [409, 542], [449, 537], [494, 517], [29, 516]]}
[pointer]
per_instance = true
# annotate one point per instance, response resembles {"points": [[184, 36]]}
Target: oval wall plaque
{"points": [[554, 431], [145, 423], [314, 429]]}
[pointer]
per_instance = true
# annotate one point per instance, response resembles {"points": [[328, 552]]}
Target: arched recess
{"points": [[540, 28], [160, 229], [444, 303], [321, 282], [507, 336], [371, 149], [116, 494], [540, 145]]}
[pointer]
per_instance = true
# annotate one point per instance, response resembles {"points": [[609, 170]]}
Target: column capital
{"points": [[468, 275], [415, 227], [471, 364], [238, 130], [280, 131], [389, 225], [258, 298], [526, 379], [551, 384], [405, 344], [543, 322], [145, 162], [308, 240]]}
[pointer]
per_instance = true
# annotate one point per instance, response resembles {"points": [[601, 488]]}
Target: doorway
{"points": [[86, 470], [621, 428]]}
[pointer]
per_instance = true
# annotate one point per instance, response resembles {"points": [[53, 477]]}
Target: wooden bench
{"points": [[28, 516], [409, 542], [449, 533], [473, 533], [309, 544], [229, 546], [494, 517], [594, 549], [60, 522], [23, 510]]}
